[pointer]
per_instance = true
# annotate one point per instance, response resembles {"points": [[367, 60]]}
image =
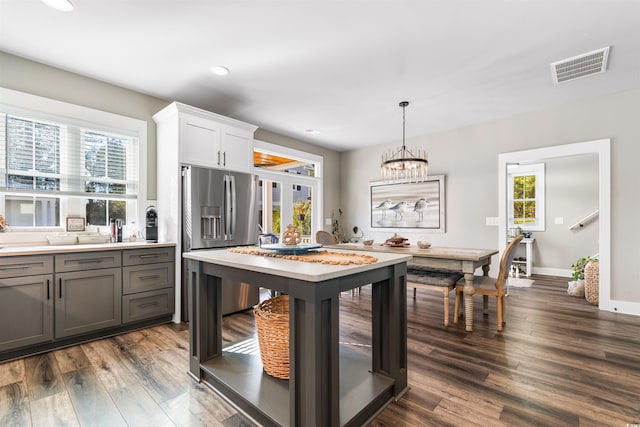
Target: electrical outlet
{"points": [[558, 220], [327, 221], [492, 221]]}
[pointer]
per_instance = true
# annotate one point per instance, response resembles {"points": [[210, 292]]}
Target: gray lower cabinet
{"points": [[26, 311], [26, 301], [48, 300], [87, 300], [147, 283]]}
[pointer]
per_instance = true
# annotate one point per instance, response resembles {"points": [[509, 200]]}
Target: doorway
{"points": [[602, 148]]}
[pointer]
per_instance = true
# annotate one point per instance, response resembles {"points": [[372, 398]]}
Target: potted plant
{"points": [[578, 268], [576, 285]]}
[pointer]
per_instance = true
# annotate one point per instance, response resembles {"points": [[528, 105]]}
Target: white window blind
{"points": [[69, 166]]}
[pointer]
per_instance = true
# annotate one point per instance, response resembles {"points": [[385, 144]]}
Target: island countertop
{"points": [[309, 271]]}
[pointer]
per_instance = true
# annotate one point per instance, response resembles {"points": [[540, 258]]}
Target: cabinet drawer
{"points": [[141, 278], [147, 256], [146, 305], [87, 261], [20, 266]]}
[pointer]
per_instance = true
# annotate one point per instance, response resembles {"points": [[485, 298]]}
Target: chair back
{"points": [[325, 238], [506, 260]]}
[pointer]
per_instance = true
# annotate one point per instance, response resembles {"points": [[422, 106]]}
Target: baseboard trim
{"points": [[624, 307], [559, 272]]}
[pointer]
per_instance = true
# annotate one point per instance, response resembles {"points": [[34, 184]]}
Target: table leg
{"points": [[468, 301], [529, 255]]}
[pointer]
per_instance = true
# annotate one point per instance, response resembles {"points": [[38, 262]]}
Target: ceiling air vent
{"points": [[576, 67]]}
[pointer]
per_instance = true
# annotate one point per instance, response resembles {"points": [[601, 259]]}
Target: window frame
{"points": [[287, 180], [40, 108], [537, 170]]}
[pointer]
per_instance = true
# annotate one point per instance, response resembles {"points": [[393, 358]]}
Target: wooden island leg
{"points": [[314, 385], [205, 318], [389, 329]]}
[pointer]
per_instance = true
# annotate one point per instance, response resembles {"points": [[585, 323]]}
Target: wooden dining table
{"points": [[465, 260]]}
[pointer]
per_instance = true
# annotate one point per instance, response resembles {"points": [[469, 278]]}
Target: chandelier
{"points": [[404, 164]]}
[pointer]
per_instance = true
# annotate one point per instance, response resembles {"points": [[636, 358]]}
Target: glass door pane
{"points": [[270, 206], [302, 211]]}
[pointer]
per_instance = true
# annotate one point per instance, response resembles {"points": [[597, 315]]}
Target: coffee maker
{"points": [[151, 224]]}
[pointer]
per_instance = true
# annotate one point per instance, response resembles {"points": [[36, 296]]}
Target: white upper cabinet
{"points": [[237, 149], [204, 138]]}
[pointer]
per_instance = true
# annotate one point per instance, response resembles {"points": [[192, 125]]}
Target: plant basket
{"points": [[272, 325], [592, 282]]}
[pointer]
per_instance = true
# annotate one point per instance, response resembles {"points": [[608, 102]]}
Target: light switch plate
{"points": [[492, 221], [327, 221], [558, 220]]}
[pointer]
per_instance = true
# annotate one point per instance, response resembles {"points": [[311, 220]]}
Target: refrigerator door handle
{"points": [[187, 213], [232, 216], [227, 206]]}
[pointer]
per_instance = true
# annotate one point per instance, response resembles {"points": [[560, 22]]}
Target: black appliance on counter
{"points": [[151, 227]]}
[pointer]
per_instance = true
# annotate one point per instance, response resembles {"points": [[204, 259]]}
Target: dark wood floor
{"points": [[559, 362]]}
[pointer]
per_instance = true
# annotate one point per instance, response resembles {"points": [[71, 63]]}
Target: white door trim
{"points": [[602, 148]]}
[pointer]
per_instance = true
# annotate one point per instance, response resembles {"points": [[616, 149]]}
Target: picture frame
{"points": [[417, 205], [75, 223]]}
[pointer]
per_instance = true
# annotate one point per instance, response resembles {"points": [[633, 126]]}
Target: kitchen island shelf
{"points": [[256, 389]]}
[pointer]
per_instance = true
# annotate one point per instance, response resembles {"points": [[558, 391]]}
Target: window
{"points": [[526, 196], [58, 166], [291, 186]]}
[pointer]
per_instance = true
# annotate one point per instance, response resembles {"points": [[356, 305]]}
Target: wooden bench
{"points": [[433, 279]]}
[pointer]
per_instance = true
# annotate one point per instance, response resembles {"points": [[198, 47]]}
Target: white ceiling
{"points": [[338, 66]]}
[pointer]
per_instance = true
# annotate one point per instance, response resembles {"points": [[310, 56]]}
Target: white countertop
{"points": [[308, 271], [50, 249]]}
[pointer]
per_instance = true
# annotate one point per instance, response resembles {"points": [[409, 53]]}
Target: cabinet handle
{"points": [[218, 157], [48, 290], [88, 261], [60, 281], [155, 276], [15, 267], [149, 304], [149, 256], [224, 158]]}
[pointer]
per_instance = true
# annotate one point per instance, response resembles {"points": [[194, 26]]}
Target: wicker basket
{"points": [[272, 324], [592, 281]]}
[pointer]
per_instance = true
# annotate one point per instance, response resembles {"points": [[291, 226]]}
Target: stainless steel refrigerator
{"points": [[219, 209]]}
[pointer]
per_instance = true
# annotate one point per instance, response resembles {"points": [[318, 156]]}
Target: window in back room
{"points": [[526, 194]]}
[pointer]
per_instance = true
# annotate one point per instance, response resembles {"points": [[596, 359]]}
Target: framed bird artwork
{"points": [[408, 205]]}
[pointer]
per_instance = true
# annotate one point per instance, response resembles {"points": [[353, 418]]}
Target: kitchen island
{"points": [[329, 384]]}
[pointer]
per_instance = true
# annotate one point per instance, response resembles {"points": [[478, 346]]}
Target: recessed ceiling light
{"points": [[312, 131], [62, 5], [219, 70]]}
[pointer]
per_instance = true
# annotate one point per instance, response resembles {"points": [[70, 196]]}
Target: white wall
{"points": [[571, 194], [468, 156]]}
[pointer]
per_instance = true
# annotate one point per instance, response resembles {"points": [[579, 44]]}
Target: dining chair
{"points": [[433, 279], [489, 286], [325, 238]]}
